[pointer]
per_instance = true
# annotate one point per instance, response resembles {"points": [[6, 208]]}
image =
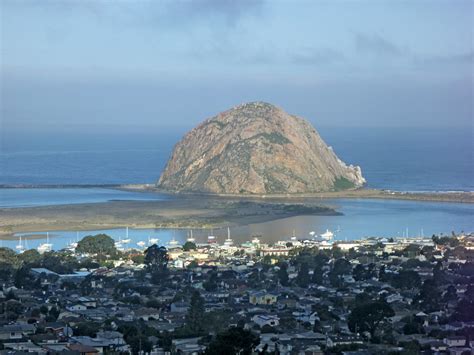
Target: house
{"points": [[179, 307], [455, 341], [263, 320], [262, 298], [460, 351], [438, 346], [147, 314], [82, 349], [337, 340], [16, 331], [187, 346]]}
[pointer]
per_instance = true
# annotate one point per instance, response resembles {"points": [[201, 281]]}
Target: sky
{"points": [[73, 67]]}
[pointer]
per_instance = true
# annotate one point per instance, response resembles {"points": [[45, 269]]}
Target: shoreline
{"points": [[362, 193]]}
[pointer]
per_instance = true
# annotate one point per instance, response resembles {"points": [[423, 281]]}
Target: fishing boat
{"points": [[211, 239]]}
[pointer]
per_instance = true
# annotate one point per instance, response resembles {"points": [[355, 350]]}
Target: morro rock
{"points": [[256, 148]]}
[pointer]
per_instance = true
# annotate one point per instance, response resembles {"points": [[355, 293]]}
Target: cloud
{"points": [[167, 13], [317, 56], [231, 11], [458, 58], [376, 45]]}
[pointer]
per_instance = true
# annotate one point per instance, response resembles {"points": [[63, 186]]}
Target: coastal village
{"points": [[311, 296]]}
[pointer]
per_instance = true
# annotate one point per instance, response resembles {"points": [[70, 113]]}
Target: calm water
{"points": [[397, 159], [361, 218], [53, 196]]}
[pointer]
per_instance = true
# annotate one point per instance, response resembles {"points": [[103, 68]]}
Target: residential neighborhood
{"points": [[373, 296]]}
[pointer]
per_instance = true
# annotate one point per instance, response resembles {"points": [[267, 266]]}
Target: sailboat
{"points": [[293, 236], [45, 247], [73, 245], [228, 242], [127, 239], [20, 247], [191, 239], [328, 235], [173, 243]]}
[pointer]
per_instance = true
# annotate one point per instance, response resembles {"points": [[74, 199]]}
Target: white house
{"points": [[262, 320]]}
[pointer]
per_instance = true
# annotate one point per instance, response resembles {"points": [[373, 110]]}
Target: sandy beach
{"points": [[365, 193]]}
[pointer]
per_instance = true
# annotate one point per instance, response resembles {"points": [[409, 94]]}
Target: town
{"points": [[312, 296]]}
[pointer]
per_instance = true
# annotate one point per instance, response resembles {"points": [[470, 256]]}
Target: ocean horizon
{"points": [[391, 159]]}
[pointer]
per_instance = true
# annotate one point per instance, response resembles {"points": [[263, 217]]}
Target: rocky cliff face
{"points": [[256, 148]]}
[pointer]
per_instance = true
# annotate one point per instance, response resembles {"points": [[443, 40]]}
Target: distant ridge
{"points": [[256, 148]]}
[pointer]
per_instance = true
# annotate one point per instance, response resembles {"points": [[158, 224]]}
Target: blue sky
{"points": [[137, 66]]}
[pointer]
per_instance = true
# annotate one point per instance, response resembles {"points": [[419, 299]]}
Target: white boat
{"points": [[173, 243], [256, 241], [20, 247], [228, 242], [141, 243], [328, 235], [72, 246], [191, 239], [45, 247], [127, 239], [152, 241]]}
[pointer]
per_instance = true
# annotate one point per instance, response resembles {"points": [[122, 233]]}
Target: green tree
{"points": [[22, 278], [406, 279], [156, 259], [303, 279], [283, 274], [211, 283], [189, 246], [233, 341], [100, 244], [368, 316], [358, 273], [429, 297], [8, 256], [30, 257], [450, 294], [318, 276], [342, 267], [195, 315]]}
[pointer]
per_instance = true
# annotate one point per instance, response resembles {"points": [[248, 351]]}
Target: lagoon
{"points": [[361, 218]]}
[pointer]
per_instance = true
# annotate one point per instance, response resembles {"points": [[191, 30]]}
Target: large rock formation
{"points": [[256, 148]]}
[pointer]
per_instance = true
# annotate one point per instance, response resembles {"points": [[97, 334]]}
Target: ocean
{"points": [[394, 159]]}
